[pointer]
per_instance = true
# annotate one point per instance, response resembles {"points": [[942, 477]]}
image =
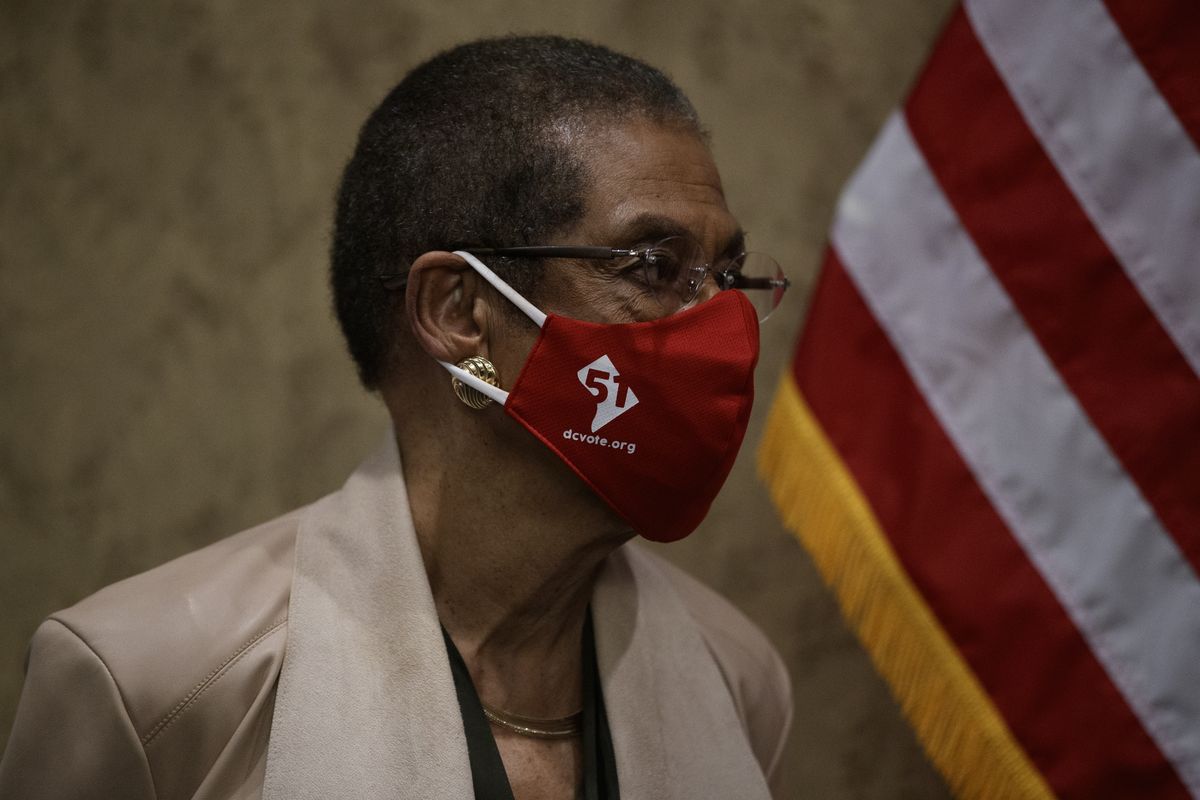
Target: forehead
{"points": [[648, 179]]}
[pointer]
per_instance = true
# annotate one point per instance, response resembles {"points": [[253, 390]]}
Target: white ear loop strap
{"points": [[494, 392], [528, 308]]}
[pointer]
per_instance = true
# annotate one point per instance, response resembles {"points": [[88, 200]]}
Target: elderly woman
{"points": [[534, 267]]}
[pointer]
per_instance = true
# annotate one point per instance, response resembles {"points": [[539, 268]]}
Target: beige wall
{"points": [[170, 370]]}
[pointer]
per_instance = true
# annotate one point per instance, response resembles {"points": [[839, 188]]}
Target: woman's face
{"points": [[648, 182]]}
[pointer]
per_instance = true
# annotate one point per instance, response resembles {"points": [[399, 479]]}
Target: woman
{"points": [[534, 267]]}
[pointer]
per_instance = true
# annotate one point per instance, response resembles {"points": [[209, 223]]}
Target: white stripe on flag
{"points": [[1049, 474], [1114, 140]]}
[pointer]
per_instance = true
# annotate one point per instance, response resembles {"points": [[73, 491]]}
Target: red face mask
{"points": [[649, 414]]}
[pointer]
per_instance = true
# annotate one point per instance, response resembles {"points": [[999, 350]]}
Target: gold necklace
{"points": [[560, 728]]}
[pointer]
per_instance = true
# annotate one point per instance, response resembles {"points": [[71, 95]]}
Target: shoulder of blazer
{"points": [[195, 646]]}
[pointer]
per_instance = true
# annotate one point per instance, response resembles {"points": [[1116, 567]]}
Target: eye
{"points": [[634, 270], [660, 265]]}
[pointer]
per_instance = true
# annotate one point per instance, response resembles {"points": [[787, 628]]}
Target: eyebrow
{"points": [[650, 226]]}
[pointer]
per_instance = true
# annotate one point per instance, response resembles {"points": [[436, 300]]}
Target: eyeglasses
{"points": [[672, 271]]}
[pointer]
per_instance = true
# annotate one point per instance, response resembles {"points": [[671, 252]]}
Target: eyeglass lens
{"points": [[675, 270]]}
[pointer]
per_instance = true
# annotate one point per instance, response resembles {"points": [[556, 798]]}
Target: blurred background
{"points": [[171, 370]]}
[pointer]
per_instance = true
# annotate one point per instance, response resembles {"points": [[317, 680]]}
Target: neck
{"points": [[512, 561]]}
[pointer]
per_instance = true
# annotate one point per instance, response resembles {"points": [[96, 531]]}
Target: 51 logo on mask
{"points": [[602, 381]]}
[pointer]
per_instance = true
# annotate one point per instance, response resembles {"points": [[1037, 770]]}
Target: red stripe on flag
{"points": [[1165, 36], [1086, 314], [1012, 632]]}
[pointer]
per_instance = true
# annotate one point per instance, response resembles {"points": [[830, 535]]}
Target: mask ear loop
{"points": [[526, 307]]}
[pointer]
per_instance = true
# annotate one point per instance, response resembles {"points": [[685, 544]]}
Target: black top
{"points": [[487, 770]]}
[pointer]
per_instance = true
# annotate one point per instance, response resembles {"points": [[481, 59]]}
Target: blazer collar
{"points": [[366, 705]]}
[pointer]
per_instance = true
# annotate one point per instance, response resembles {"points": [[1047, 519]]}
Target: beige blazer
{"points": [[304, 659]]}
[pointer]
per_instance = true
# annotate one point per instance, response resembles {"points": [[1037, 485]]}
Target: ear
{"points": [[445, 306]]}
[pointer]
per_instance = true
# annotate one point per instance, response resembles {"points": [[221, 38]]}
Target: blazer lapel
{"points": [[675, 731], [366, 704]]}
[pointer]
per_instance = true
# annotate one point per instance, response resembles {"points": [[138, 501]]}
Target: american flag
{"points": [[989, 439]]}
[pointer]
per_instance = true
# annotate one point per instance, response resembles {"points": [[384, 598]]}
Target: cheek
{"points": [[512, 338], [604, 298]]}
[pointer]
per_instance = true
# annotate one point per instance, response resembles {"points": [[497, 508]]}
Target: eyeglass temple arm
{"points": [[392, 281], [554, 251], [743, 282]]}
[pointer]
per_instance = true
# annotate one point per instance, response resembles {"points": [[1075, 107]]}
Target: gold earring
{"points": [[481, 368]]}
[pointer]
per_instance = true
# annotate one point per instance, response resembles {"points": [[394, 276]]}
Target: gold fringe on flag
{"points": [[961, 730]]}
